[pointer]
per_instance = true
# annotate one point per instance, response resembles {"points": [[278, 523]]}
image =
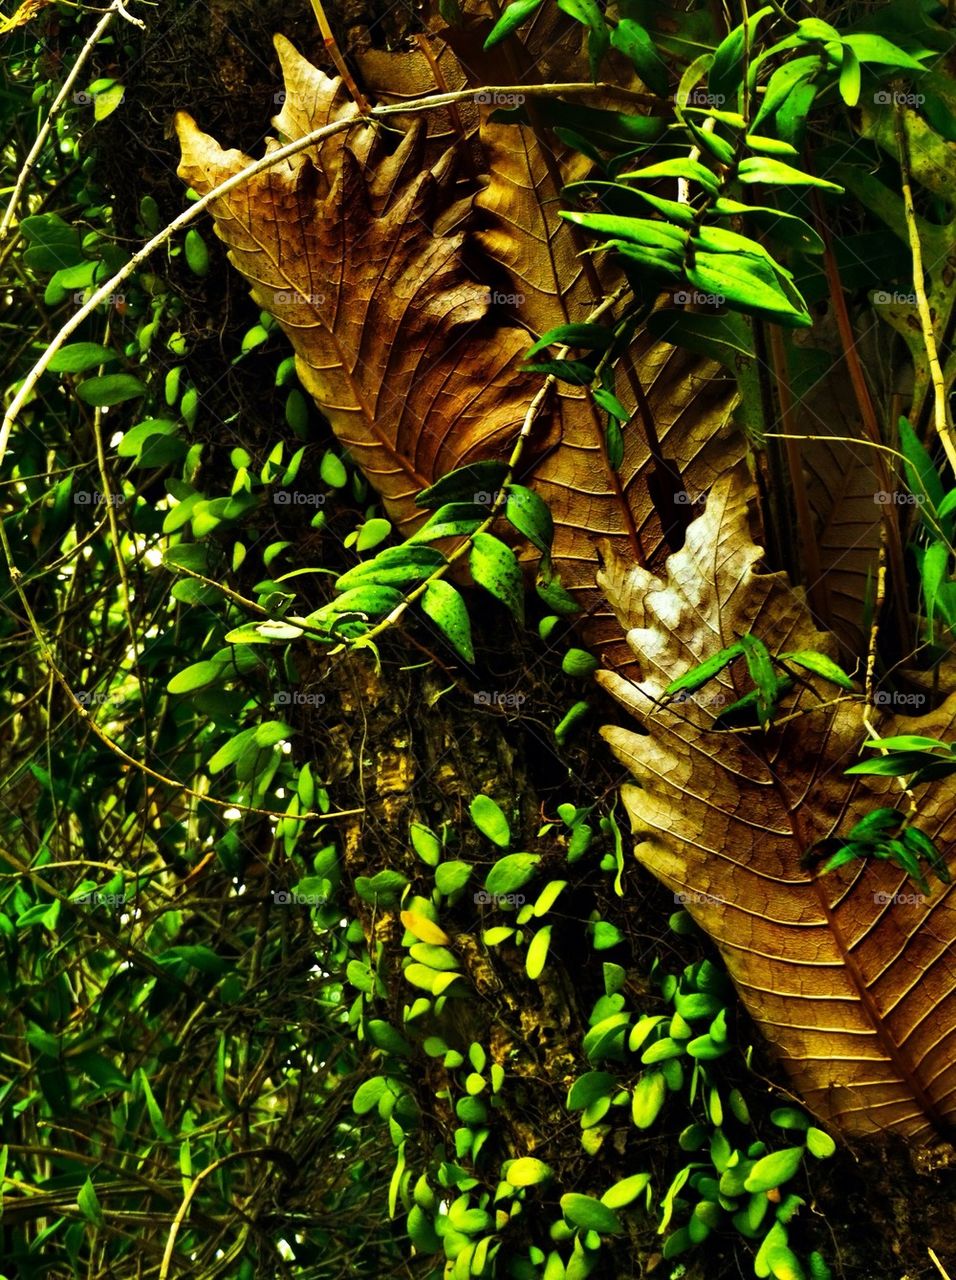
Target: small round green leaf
{"points": [[490, 820], [774, 1170], [527, 1172], [589, 1213]]}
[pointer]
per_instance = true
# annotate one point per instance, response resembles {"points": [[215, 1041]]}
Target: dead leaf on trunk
{"points": [[850, 976], [412, 346]]}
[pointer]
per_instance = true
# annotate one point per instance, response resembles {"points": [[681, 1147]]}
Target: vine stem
{"points": [[115, 8], [943, 425]]}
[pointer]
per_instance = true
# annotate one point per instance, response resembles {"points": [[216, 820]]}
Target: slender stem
{"points": [[944, 429], [100, 28]]}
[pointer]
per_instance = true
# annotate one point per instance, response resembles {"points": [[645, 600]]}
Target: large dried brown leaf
{"points": [[402, 334], [354, 251], [850, 976]]}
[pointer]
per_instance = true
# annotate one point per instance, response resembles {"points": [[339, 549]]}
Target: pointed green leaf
{"points": [[444, 605], [495, 567]]}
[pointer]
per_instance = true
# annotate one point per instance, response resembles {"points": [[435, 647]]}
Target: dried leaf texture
{"points": [[850, 976], [409, 331], [353, 250]]}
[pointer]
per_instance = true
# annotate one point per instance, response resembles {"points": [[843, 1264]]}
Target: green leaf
{"points": [[198, 676], [787, 228], [568, 722], [770, 146], [698, 676], [394, 567], [530, 516], [922, 478], [820, 1144], [230, 751], [750, 284], [372, 532], [451, 876], [491, 821], [579, 663], [850, 78], [590, 337], [160, 1127], [631, 39], [368, 1094], [514, 15], [642, 231], [587, 1089], [463, 484], [677, 168], [495, 567], [578, 373], [589, 15], [538, 953], [649, 1095], [77, 357], [452, 520], [626, 1191], [590, 1214], [790, 1118], [511, 872], [332, 470], [88, 1203], [527, 1172], [425, 843], [197, 255], [727, 68], [110, 389], [819, 664], [444, 605], [776, 173], [870, 48], [134, 442], [784, 82], [774, 1170]]}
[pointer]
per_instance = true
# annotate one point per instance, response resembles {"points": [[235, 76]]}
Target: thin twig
{"points": [[943, 425], [115, 8]]}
